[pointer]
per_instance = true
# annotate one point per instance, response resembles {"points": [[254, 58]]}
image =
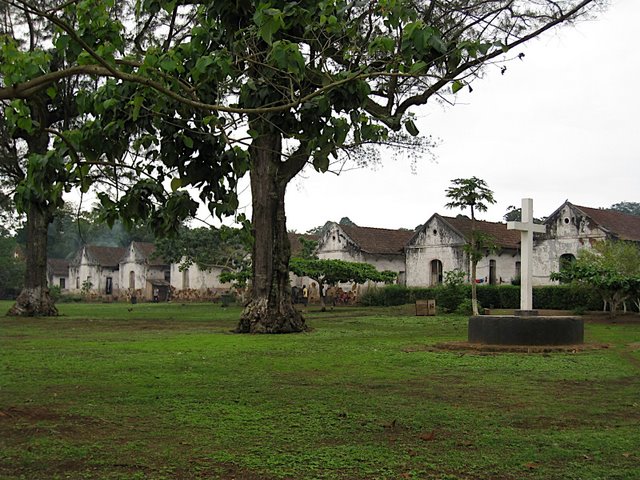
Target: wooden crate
{"points": [[425, 307]]}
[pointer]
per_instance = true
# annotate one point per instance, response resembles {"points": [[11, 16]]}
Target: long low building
{"points": [[135, 271], [422, 257]]}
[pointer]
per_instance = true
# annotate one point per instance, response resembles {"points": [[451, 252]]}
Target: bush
{"points": [[449, 298], [499, 296], [566, 297], [71, 298], [466, 308], [387, 296], [55, 292]]}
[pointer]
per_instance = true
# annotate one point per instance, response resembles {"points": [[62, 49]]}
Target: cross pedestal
{"points": [[525, 327], [527, 228]]}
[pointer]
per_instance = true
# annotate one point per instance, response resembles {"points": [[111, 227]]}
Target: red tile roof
{"points": [[147, 250], [105, 256], [58, 266], [294, 240], [620, 225], [503, 237], [378, 240]]}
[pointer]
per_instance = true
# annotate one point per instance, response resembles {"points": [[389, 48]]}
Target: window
{"points": [[109, 286], [436, 272], [492, 272], [518, 269], [167, 276], [132, 280], [185, 279], [77, 283], [63, 284]]}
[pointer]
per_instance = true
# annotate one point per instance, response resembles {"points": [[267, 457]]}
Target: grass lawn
{"points": [[157, 391]]}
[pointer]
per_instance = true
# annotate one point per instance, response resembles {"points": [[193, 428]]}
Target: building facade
{"points": [[439, 246]]}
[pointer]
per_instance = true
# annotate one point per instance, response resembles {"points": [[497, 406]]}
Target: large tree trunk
{"points": [[270, 309], [34, 300]]}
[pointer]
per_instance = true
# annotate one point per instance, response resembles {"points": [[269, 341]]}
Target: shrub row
{"points": [[449, 298]]}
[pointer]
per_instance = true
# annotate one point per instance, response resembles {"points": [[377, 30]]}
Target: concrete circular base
{"points": [[525, 330]]}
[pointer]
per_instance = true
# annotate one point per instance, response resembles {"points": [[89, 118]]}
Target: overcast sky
{"points": [[563, 123]]}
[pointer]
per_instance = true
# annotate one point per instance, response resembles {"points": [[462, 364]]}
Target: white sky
{"points": [[561, 124]]}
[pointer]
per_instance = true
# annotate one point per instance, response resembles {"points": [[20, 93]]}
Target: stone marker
{"points": [[527, 228]]}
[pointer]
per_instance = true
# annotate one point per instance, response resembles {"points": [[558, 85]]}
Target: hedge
{"points": [[448, 298]]}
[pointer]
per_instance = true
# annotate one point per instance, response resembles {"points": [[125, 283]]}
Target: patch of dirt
{"points": [[466, 347], [226, 470], [630, 357], [29, 414], [20, 423], [608, 319]]}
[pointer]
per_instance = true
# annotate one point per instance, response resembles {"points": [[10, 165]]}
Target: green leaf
{"points": [[169, 65], [107, 104], [436, 42], [456, 86], [418, 67], [321, 162], [188, 141], [411, 127], [25, 123], [52, 92], [137, 103], [176, 183]]}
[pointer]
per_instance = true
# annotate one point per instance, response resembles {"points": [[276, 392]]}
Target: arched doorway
{"points": [[436, 272], [565, 262], [492, 272]]}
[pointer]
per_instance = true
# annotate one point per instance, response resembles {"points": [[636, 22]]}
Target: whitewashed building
{"points": [[380, 247], [58, 273], [438, 247], [142, 274], [419, 257], [572, 228], [195, 278], [96, 270]]}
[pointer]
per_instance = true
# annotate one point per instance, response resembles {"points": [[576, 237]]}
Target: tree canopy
{"points": [[612, 268], [632, 208], [331, 272], [208, 248], [267, 87], [474, 194]]}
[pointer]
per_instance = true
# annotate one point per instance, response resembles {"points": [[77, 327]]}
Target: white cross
{"points": [[527, 229]]}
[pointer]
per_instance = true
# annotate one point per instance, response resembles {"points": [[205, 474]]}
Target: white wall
{"points": [[196, 279], [436, 241], [335, 245], [567, 233]]}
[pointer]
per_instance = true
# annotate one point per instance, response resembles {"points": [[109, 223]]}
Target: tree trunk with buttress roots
{"points": [[270, 309], [34, 299]]}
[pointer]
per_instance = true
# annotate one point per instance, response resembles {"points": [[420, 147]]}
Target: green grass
{"points": [[157, 391]]}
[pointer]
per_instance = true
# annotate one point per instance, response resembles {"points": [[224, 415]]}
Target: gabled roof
{"points": [[618, 224], [58, 266], [378, 240], [294, 241], [147, 250], [104, 256], [463, 226]]}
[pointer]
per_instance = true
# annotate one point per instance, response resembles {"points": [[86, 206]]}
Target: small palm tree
{"points": [[474, 194]]}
